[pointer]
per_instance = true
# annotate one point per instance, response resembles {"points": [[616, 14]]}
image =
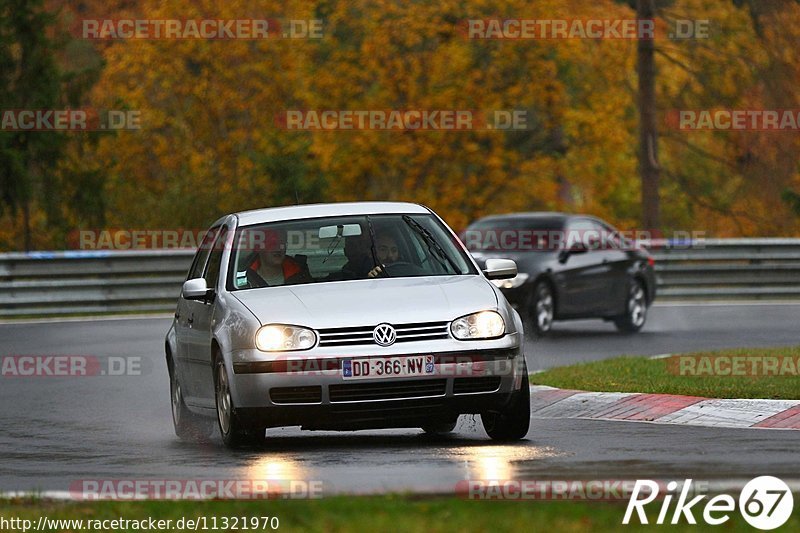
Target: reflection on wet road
{"points": [[387, 460], [59, 430]]}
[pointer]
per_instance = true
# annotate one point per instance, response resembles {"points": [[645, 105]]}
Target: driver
{"points": [[359, 256], [387, 251]]}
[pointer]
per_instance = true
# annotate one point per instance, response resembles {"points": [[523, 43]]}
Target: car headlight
{"points": [[512, 283], [483, 325], [283, 338]]}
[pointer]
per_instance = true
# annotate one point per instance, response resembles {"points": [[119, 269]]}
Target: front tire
{"points": [[635, 309], [541, 309], [513, 422], [234, 433]]}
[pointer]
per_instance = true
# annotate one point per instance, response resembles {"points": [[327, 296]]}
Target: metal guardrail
{"points": [[730, 269], [59, 283]]}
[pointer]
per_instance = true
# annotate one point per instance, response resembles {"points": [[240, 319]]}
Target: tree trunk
{"points": [[649, 169], [26, 220]]}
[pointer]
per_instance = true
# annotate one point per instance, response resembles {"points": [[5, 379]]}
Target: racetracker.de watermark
{"points": [[443, 365], [544, 240], [734, 365], [249, 239], [44, 366], [734, 119], [402, 119], [555, 489], [548, 29], [195, 489], [246, 29], [135, 239], [70, 120]]}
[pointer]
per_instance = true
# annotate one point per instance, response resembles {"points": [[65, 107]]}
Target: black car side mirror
{"points": [[576, 248]]}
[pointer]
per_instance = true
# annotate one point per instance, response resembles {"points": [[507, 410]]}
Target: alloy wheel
{"points": [[177, 399], [637, 307], [223, 399], [544, 308]]}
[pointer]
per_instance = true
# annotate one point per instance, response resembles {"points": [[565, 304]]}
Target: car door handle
{"points": [[605, 261]]}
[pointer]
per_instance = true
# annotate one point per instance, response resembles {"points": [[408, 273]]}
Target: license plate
{"points": [[387, 367]]}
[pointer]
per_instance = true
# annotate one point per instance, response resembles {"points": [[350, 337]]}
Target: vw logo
{"points": [[384, 335]]}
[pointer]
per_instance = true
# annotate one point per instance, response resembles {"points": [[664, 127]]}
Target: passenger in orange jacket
{"points": [[272, 267]]}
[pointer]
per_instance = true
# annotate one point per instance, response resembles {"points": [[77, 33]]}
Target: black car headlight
{"points": [[482, 325], [284, 338]]}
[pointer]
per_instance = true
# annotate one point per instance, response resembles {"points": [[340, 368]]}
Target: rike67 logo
{"points": [[765, 503]]}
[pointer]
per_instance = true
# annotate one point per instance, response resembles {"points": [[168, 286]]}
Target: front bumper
{"points": [[308, 389], [374, 415]]}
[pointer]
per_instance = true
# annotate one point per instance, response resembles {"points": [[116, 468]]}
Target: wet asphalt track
{"points": [[59, 430]]}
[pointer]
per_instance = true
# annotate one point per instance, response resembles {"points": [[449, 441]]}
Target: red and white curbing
{"points": [[549, 402]]}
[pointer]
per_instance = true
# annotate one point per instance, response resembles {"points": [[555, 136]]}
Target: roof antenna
{"points": [[296, 197]]}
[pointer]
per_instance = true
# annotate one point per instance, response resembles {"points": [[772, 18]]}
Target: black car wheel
{"points": [[541, 309], [513, 422], [635, 309]]}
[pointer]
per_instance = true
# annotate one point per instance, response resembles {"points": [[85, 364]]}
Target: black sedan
{"points": [[570, 266]]}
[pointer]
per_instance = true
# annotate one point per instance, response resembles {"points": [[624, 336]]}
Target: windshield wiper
{"points": [[373, 250], [430, 240]]}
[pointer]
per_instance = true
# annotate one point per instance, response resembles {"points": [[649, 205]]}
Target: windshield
{"points": [[344, 248], [514, 234]]}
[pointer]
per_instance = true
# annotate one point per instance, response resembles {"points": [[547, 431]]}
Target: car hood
{"points": [[370, 302]]}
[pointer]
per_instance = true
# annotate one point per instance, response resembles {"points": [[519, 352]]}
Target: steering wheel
{"points": [[403, 268]]}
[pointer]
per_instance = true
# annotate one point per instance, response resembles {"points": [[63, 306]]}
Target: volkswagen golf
{"points": [[343, 317]]}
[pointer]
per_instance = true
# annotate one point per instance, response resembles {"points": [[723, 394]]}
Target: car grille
{"points": [[397, 410], [474, 385], [361, 392], [362, 335], [284, 395]]}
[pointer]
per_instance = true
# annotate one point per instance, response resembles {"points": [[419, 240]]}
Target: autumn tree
{"points": [[29, 79], [732, 182], [597, 140]]}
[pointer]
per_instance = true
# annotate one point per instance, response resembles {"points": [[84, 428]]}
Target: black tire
{"points": [[440, 428], [635, 308], [541, 309], [513, 422], [234, 433], [189, 427]]}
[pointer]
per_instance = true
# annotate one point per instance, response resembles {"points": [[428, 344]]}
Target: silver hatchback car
{"points": [[343, 317]]}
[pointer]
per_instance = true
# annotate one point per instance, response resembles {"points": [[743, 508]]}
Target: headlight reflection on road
{"points": [[275, 469], [283, 478], [498, 462]]}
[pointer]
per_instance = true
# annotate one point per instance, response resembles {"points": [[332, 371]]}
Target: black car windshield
{"points": [[343, 248], [514, 234]]}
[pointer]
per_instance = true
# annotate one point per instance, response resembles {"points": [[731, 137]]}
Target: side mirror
{"points": [[500, 269], [195, 289], [576, 248]]}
